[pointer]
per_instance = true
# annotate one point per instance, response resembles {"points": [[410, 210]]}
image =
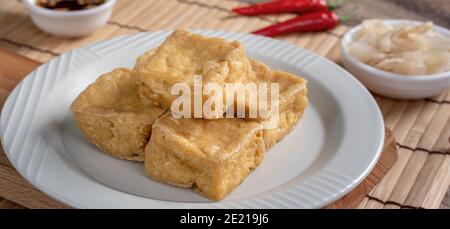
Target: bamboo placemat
{"points": [[419, 179]]}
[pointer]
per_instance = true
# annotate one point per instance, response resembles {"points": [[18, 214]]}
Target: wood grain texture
{"points": [[421, 175], [13, 68], [15, 188]]}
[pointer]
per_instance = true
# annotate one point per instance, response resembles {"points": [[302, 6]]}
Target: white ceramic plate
{"points": [[333, 148]]}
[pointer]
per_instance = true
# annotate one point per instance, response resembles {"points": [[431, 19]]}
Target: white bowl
{"points": [[392, 84], [70, 23]]}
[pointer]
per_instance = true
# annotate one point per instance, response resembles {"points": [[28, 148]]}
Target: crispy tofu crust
{"points": [[212, 156], [111, 114], [185, 55], [292, 100], [122, 109]]}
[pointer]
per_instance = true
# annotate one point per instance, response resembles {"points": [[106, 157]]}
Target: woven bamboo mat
{"points": [[419, 179]]}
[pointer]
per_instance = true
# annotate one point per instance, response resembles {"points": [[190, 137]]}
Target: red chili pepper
{"points": [[315, 21], [287, 6]]}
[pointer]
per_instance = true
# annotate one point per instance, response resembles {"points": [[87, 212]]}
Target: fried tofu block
{"points": [[212, 156], [111, 114], [185, 55], [292, 101]]}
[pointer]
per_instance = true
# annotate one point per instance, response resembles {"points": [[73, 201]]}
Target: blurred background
{"points": [[437, 11]]}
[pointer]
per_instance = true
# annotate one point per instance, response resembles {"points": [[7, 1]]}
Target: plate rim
{"points": [[311, 57]]}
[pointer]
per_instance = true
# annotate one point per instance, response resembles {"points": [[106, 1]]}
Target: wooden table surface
{"points": [[421, 176]]}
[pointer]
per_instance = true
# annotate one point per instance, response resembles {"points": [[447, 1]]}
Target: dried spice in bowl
{"points": [[69, 5]]}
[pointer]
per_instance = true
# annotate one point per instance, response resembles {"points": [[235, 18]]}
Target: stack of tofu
{"points": [[127, 113]]}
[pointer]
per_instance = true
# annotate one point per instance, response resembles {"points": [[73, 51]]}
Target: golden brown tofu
{"points": [[212, 156], [111, 115], [292, 100], [185, 55]]}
